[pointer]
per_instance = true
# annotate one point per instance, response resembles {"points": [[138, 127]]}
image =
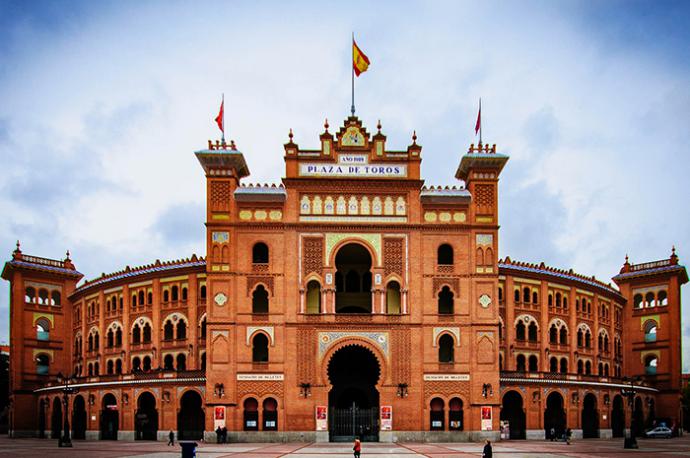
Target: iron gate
{"points": [[345, 424]]}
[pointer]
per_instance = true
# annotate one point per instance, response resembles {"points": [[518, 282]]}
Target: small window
{"points": [[313, 297], [174, 293], [136, 334], [521, 363], [147, 333], [181, 361], [525, 294], [181, 330], [650, 331], [393, 298], [184, 294], [445, 301], [141, 298], [260, 253], [532, 332], [203, 328], [168, 331], [42, 364], [260, 348], [30, 295], [564, 366], [520, 330], [445, 349], [168, 363], [202, 292], [533, 363], [553, 365], [445, 255], [55, 297], [42, 329], [260, 300]]}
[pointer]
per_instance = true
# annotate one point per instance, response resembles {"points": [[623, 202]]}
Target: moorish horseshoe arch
{"points": [[381, 360], [355, 239]]}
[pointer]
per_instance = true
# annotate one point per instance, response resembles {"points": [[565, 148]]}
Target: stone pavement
{"points": [[660, 448]]}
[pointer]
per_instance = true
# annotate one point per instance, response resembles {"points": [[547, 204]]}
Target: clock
{"points": [[220, 299]]}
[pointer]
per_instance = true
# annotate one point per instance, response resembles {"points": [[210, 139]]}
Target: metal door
{"points": [[345, 424]]}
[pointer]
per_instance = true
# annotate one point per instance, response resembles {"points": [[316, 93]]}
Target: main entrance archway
{"points": [[554, 416], [353, 279], [190, 419], [618, 417], [354, 400], [110, 419], [79, 418], [590, 417]]}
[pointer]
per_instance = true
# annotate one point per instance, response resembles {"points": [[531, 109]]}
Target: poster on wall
{"points": [[321, 418], [386, 418], [505, 429], [218, 417], [487, 415]]}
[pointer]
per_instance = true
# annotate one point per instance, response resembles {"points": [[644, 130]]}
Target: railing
{"points": [[650, 265], [43, 261], [260, 267]]}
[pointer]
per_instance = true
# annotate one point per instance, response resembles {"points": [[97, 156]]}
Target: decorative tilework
{"points": [[373, 239], [328, 339]]}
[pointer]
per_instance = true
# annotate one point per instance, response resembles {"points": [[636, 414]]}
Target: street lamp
{"points": [[629, 392], [67, 389]]}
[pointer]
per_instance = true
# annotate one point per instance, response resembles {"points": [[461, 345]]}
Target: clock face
{"points": [[220, 299]]}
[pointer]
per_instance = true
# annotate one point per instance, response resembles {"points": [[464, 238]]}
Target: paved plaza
{"points": [[679, 447]]}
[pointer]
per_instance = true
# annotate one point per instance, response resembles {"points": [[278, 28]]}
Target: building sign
{"points": [[218, 417], [352, 165], [260, 377], [321, 418], [487, 412], [446, 377], [386, 418]]}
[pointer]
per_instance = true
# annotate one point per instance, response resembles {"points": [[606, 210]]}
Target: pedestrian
{"points": [[218, 434], [224, 435], [488, 451], [568, 435], [357, 448], [171, 438], [553, 433]]}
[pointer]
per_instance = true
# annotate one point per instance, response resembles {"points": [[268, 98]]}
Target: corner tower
{"points": [[652, 323]]}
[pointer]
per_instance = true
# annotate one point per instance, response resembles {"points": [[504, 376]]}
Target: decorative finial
{"points": [[626, 259], [67, 258], [325, 125], [414, 137], [18, 246], [232, 145], [673, 250], [290, 135], [378, 126]]}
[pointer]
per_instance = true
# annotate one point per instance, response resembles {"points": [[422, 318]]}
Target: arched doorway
{"points": [[618, 417], [638, 418], [554, 416], [56, 419], [43, 406], [590, 417], [146, 418], [79, 418], [190, 419], [110, 419], [514, 414], [353, 279], [353, 400], [651, 413]]}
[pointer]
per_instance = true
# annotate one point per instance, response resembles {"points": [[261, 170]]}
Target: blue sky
{"points": [[103, 103]]}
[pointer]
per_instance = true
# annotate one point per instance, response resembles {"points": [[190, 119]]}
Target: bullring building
{"points": [[349, 299]]}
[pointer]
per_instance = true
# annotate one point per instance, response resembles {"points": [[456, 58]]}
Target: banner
{"points": [[386, 418], [487, 414], [218, 417], [321, 418]]}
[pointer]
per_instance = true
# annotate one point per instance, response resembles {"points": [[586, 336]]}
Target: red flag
{"points": [[219, 118], [478, 126]]}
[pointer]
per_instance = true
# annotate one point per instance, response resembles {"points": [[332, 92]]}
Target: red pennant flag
{"points": [[219, 118], [478, 126]]}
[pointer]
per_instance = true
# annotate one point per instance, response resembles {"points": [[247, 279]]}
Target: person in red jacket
{"points": [[357, 447]]}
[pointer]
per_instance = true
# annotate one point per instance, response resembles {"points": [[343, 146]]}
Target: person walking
{"points": [[171, 438], [224, 435], [553, 434], [568, 434], [488, 450], [357, 448], [218, 434]]}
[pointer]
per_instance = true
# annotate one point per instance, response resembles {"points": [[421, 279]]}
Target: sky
{"points": [[103, 103]]}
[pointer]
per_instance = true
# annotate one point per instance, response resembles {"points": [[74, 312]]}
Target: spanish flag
{"points": [[360, 62]]}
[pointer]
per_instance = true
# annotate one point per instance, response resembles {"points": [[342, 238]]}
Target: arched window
{"points": [[136, 364], [564, 366], [600, 342], [565, 302], [393, 298], [649, 300], [580, 337], [535, 297], [532, 332], [588, 339], [260, 300], [601, 369], [149, 298], [147, 333], [553, 334], [650, 364], [260, 348], [203, 361], [563, 336], [517, 295], [181, 362], [500, 294], [43, 297], [42, 329], [352, 283], [90, 342], [181, 329], [445, 349], [166, 295], [520, 331], [96, 369], [90, 369], [110, 367], [118, 337], [110, 338], [203, 328], [174, 293], [147, 363], [444, 255], [260, 253], [168, 331], [42, 364], [251, 414], [445, 301], [526, 294], [580, 368], [650, 331], [588, 368], [55, 297], [550, 300], [558, 300], [521, 365], [136, 334], [437, 414], [184, 293], [313, 297], [662, 298], [270, 415], [533, 363], [202, 292], [168, 362], [30, 295], [141, 297], [553, 364], [118, 366], [134, 300], [606, 343]]}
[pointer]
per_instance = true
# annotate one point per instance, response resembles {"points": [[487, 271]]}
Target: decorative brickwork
{"points": [[305, 362], [393, 256], [446, 388], [253, 281], [312, 259], [220, 196], [402, 351], [484, 196], [439, 282], [260, 388]]}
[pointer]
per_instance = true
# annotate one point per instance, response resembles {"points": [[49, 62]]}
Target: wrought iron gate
{"points": [[345, 424]]}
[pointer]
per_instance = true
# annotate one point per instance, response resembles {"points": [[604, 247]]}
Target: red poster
{"points": [[220, 413]]}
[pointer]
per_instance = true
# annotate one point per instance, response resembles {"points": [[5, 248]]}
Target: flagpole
{"points": [[222, 136], [480, 120], [352, 109]]}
